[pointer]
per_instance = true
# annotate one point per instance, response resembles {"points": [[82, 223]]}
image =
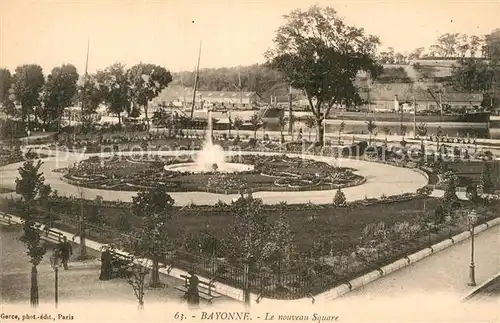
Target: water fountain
{"points": [[211, 157]]}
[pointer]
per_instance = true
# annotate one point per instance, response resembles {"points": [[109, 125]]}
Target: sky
{"points": [[233, 32]]}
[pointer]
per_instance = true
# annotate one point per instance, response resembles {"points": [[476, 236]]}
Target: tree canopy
{"points": [[320, 54], [146, 83], [114, 87], [28, 83], [59, 92]]}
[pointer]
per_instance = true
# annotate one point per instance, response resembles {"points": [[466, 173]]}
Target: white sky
{"points": [[234, 32]]}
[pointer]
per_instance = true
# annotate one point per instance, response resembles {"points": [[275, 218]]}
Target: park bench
{"points": [[205, 289], [6, 219], [120, 264], [52, 235]]}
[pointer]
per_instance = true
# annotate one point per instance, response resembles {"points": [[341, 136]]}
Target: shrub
{"points": [[339, 200], [123, 223]]}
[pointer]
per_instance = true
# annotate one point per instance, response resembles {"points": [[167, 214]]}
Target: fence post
{"points": [[246, 286]]}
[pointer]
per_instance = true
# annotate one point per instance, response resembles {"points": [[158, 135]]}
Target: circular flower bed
{"points": [[270, 173]]}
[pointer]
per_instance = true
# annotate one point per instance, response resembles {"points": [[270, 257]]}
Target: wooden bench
{"points": [[52, 236], [6, 219], [120, 264], [205, 289]]}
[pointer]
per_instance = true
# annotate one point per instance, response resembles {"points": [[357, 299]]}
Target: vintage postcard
{"points": [[248, 160]]}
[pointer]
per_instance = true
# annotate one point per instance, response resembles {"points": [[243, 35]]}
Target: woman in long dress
{"points": [[192, 294], [106, 266]]}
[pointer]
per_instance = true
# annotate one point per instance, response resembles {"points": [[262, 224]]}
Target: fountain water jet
{"points": [[211, 157]]}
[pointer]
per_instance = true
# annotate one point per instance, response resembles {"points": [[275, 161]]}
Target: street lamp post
{"points": [[55, 264], [472, 219]]}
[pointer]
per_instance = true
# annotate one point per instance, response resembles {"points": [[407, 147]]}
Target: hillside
{"points": [[421, 74]]}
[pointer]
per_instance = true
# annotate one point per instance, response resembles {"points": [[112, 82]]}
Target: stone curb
{"points": [[479, 288], [406, 261]]}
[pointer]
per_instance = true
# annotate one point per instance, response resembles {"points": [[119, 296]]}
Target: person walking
{"points": [[66, 251]]}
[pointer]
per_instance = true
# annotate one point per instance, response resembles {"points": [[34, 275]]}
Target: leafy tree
{"points": [[147, 81], [463, 45], [30, 182], [60, 90], [339, 200], [371, 126], [486, 182], [254, 78], [28, 83], [387, 131], [282, 121], [263, 125], [320, 54], [95, 215], [255, 124], [422, 129], [155, 206], [449, 200], [474, 41], [471, 193], [249, 233], [446, 45], [91, 97], [237, 123], [28, 185], [123, 223], [481, 75], [279, 246], [416, 54], [310, 122], [5, 84], [115, 88], [341, 129]]}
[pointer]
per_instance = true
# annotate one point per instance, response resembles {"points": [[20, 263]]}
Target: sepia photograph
{"points": [[250, 160]]}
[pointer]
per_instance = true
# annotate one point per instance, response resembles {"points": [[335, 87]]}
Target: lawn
{"points": [[470, 171], [342, 226]]}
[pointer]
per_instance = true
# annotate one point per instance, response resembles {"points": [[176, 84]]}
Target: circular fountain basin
{"points": [[197, 168]]}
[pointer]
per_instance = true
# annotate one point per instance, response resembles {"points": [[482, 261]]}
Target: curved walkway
{"points": [[381, 179]]}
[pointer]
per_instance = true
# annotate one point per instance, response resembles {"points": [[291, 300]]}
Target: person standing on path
{"points": [[66, 251], [192, 294]]}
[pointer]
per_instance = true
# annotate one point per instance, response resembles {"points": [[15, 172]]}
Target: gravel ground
{"points": [[79, 283]]}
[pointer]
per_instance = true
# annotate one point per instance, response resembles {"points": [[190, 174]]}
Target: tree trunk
{"points": [[255, 134], [83, 247], [146, 115], [339, 137], [34, 287], [319, 125], [155, 275]]}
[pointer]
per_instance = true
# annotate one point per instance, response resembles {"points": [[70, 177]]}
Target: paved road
{"points": [[444, 272], [381, 179]]}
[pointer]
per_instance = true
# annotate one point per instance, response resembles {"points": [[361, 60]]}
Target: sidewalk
{"points": [[79, 283], [446, 272]]}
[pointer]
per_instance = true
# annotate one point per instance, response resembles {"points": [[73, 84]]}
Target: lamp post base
{"points": [[472, 275]]}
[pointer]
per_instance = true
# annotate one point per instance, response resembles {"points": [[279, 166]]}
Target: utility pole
{"points": [[196, 81], [290, 116], [83, 246], [83, 89], [414, 117], [240, 89], [440, 107]]}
